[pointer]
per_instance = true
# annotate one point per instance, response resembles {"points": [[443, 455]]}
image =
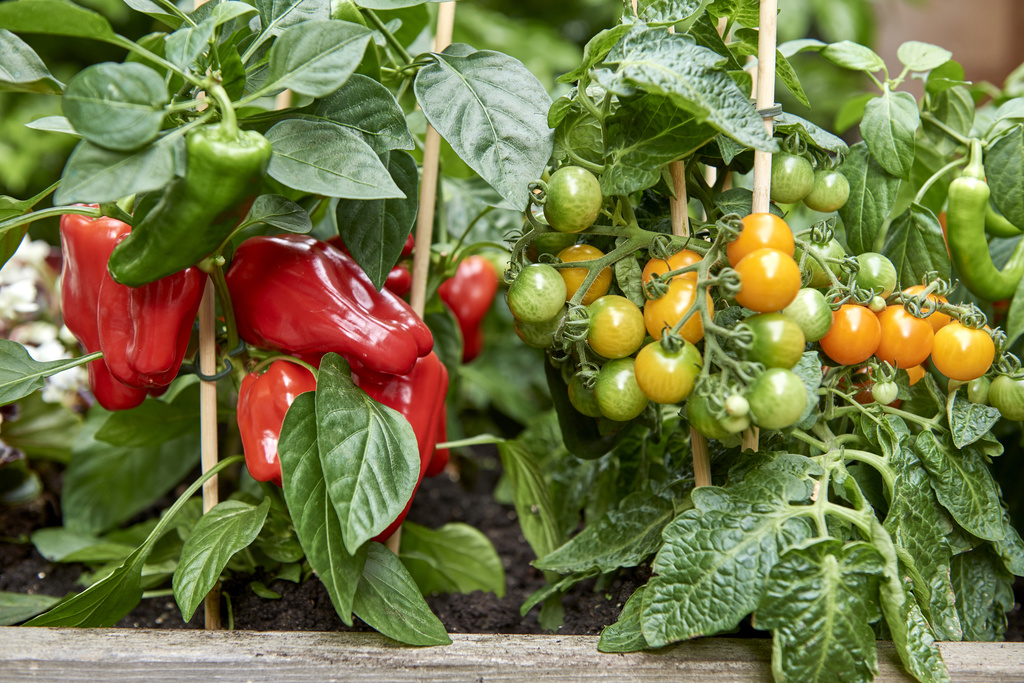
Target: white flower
{"points": [[34, 333], [26, 263], [16, 298]]}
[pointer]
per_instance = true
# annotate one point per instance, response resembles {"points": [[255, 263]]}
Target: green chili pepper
{"points": [[968, 247], [997, 225], [196, 213]]}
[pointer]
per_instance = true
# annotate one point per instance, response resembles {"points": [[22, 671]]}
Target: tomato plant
{"points": [[668, 310], [617, 393], [667, 376], [792, 178], [680, 259], [831, 250], [537, 294], [877, 273], [962, 353], [770, 279], [573, 199], [761, 231], [778, 340], [616, 327], [1006, 395], [829, 191], [854, 336], [574, 277], [905, 341], [811, 313], [777, 399]]}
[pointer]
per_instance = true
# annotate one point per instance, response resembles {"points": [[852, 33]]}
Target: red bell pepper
{"points": [[263, 401], [145, 330], [469, 294], [306, 297], [86, 244], [419, 396]]}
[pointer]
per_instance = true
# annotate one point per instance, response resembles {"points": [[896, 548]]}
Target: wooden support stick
{"points": [[428, 195]]}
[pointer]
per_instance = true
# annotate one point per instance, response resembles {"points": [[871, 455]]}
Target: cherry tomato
{"points": [[962, 353], [582, 398], [978, 390], [539, 335], [876, 273], [778, 341], [915, 374], [537, 294], [792, 178], [668, 310], [410, 244], [884, 392], [761, 231], [574, 277], [829, 191], [906, 341], [817, 275], [1007, 396], [573, 199], [618, 395], [777, 399], [854, 336], [399, 280], [770, 279], [616, 327], [701, 418], [552, 243], [936, 319], [667, 376], [678, 260], [811, 312]]}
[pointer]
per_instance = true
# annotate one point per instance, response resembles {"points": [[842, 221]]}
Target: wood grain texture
{"points": [[129, 656]]}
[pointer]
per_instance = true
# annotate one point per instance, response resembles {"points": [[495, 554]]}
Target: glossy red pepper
{"points": [[306, 297], [263, 401], [469, 294], [441, 455], [86, 244], [419, 396], [145, 330]]}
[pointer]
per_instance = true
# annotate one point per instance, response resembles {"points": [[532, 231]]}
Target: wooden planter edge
{"points": [[186, 656]]}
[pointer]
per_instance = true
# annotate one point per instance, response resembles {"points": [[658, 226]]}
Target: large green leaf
{"points": [[375, 231], [954, 107], [55, 17], [674, 65], [455, 558], [493, 112], [18, 607], [324, 158], [911, 634], [93, 174], [277, 15], [315, 58], [532, 498], [22, 70], [820, 603], [58, 544], [644, 134], [984, 591], [187, 43], [1004, 169], [915, 245], [889, 128], [968, 421], [153, 422], [316, 524], [368, 451], [20, 375], [873, 193], [279, 212], [227, 528], [389, 601], [368, 109]]}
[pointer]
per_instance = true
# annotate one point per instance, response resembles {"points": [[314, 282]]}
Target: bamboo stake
{"points": [[428, 196], [208, 421]]}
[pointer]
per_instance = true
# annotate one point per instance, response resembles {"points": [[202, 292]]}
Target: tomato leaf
{"points": [[808, 369], [316, 523], [375, 231], [812, 134], [22, 70], [625, 634], [915, 245], [493, 112], [389, 601], [369, 110], [596, 49], [315, 58], [1004, 168], [455, 558], [819, 604], [984, 592], [661, 12], [911, 634], [968, 421], [889, 128], [368, 451], [226, 529], [873, 192]]}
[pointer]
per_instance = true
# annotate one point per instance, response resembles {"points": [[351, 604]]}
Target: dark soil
{"points": [[447, 498]]}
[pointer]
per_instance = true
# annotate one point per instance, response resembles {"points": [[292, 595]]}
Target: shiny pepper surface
{"points": [[263, 401], [419, 397], [469, 294], [144, 331], [309, 298], [86, 244]]}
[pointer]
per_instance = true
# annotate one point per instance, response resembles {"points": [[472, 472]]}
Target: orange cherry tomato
{"points": [[937, 320], [906, 340], [963, 353], [854, 336], [678, 260], [574, 277], [770, 278], [915, 374], [761, 231], [670, 309]]}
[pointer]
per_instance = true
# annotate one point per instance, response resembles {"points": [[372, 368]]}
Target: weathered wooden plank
{"points": [[149, 656]]}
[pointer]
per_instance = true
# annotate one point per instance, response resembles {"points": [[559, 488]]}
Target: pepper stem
{"points": [[266, 362], [227, 111], [975, 164], [221, 287]]}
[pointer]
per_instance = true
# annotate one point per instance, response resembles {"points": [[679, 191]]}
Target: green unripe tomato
{"points": [[582, 398], [884, 392], [537, 294], [792, 178], [618, 395], [811, 312], [539, 335], [1007, 396], [701, 418], [573, 199], [829, 192], [978, 390], [876, 272], [817, 277], [777, 399], [778, 341]]}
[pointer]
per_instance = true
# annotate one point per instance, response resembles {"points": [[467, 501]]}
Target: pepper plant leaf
{"points": [[20, 375], [889, 128], [94, 174], [984, 592], [456, 558], [18, 607], [226, 529], [277, 15], [389, 601], [819, 603], [369, 110], [152, 422], [915, 245], [1004, 169], [56, 18], [156, 11], [368, 452], [315, 58], [532, 498], [279, 212], [850, 55], [375, 231], [22, 70], [493, 112], [316, 523], [873, 193], [188, 43]]}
